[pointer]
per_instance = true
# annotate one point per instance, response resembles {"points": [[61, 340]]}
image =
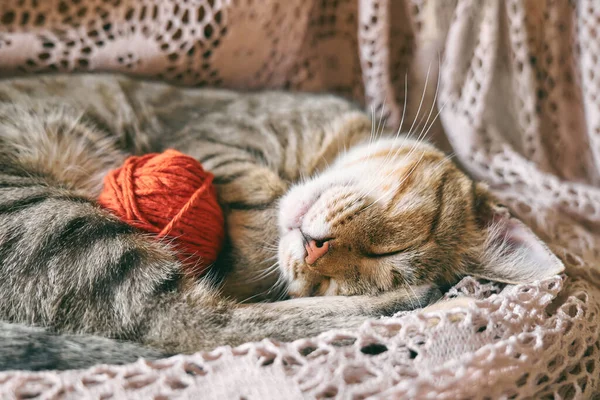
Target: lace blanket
{"points": [[518, 86]]}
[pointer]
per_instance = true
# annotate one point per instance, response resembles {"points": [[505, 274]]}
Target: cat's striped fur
{"points": [[411, 217]]}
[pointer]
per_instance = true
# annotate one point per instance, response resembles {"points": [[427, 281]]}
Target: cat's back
{"points": [[112, 91], [148, 115]]}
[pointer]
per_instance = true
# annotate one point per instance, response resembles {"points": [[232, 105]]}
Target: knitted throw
{"points": [[518, 96]]}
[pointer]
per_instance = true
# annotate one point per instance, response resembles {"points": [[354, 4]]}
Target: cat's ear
{"points": [[511, 252]]}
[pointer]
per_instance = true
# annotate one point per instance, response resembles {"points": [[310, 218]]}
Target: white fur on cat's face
{"points": [[361, 182]]}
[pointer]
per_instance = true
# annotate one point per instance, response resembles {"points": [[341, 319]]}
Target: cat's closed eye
{"points": [[386, 252], [377, 254]]}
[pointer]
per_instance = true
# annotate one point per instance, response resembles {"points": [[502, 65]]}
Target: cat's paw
{"points": [[405, 299]]}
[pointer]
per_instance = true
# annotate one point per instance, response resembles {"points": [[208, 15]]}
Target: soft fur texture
{"points": [[399, 219]]}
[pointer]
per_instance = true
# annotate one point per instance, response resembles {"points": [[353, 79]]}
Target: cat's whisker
{"points": [[414, 295], [384, 124], [389, 158], [419, 139], [398, 132], [265, 273], [379, 123], [377, 132], [270, 246], [268, 270], [273, 266], [385, 116], [373, 127], [440, 164], [254, 296], [423, 134], [425, 130], [326, 162], [372, 133], [278, 285], [284, 293], [303, 176], [421, 102], [279, 288], [433, 103], [403, 109], [423, 124], [273, 243], [270, 250]]}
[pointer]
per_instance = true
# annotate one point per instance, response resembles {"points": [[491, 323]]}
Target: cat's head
{"points": [[395, 213]]}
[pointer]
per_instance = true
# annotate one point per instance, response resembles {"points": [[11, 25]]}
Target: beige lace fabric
{"points": [[518, 96]]}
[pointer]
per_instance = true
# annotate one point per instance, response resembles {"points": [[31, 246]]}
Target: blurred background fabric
{"points": [[511, 88]]}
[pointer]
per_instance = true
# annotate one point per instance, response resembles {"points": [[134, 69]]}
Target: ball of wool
{"points": [[172, 196]]}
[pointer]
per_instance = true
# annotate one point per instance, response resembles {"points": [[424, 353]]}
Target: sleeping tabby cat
{"points": [[316, 207]]}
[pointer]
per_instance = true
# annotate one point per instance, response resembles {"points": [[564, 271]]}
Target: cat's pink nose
{"points": [[315, 251]]}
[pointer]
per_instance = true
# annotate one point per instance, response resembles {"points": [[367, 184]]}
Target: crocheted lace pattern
{"points": [[518, 96]]}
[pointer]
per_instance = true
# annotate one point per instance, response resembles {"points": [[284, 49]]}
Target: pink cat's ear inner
{"points": [[513, 253]]}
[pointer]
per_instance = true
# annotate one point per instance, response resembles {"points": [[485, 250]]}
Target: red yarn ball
{"points": [[171, 196]]}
